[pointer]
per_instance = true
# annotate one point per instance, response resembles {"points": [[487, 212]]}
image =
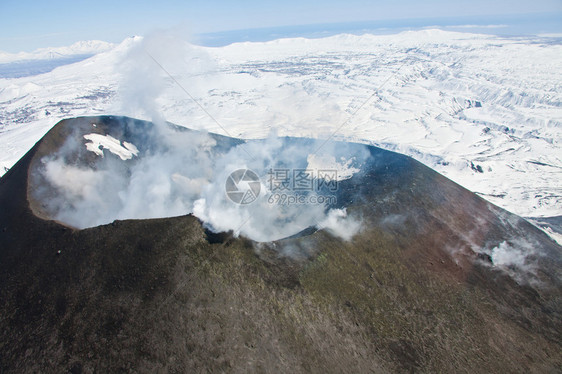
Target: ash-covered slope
{"points": [[435, 278]]}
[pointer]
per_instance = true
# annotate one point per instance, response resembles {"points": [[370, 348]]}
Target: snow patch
{"points": [[553, 235], [101, 142], [320, 163]]}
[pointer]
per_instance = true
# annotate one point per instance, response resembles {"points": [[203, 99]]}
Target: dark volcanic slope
{"points": [[414, 291]]}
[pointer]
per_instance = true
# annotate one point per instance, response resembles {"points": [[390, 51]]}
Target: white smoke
{"points": [[265, 218], [519, 258], [161, 61], [181, 172], [189, 175], [161, 184], [506, 255], [339, 224]]}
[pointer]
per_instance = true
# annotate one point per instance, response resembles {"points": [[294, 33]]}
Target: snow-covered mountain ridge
{"points": [[485, 111], [89, 47]]}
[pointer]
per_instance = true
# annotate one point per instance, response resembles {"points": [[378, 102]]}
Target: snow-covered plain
{"points": [[483, 110]]}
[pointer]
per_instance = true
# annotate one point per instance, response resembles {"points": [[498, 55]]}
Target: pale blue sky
{"points": [[27, 25]]}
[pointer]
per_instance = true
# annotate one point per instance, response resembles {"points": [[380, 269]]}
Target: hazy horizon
{"points": [[27, 25]]}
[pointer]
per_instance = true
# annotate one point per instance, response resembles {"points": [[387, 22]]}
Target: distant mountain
{"points": [[45, 60], [436, 280], [90, 47]]}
